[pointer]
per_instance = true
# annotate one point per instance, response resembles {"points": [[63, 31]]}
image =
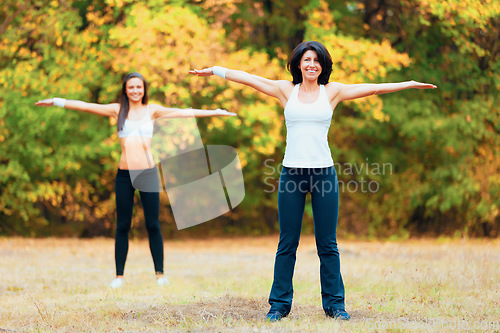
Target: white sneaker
{"points": [[163, 281], [116, 283]]}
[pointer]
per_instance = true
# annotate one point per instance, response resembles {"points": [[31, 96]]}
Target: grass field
{"points": [[222, 285]]}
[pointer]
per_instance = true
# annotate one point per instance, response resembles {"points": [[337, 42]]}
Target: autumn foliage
{"points": [[57, 166]]}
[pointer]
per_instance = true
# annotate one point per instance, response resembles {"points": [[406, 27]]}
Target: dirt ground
{"points": [[222, 285]]}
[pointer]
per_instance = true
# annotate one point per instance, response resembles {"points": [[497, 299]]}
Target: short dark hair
{"points": [[324, 59], [124, 103]]}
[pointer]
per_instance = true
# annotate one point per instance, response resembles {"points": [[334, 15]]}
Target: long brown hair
{"points": [[124, 103]]}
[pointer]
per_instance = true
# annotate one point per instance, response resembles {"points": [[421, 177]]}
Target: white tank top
{"points": [[143, 127], [307, 127]]}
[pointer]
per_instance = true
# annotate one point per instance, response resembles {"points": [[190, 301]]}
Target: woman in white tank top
{"points": [[309, 101], [135, 117]]}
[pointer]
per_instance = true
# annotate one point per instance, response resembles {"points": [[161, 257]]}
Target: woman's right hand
{"points": [[420, 85], [45, 102], [222, 112], [202, 72]]}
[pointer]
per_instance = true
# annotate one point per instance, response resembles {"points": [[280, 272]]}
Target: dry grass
{"points": [[222, 285]]}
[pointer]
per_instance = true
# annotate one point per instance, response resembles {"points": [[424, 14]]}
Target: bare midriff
{"points": [[136, 153]]}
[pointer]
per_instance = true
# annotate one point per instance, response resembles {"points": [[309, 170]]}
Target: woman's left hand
{"points": [[222, 112], [45, 102], [420, 85], [202, 72]]}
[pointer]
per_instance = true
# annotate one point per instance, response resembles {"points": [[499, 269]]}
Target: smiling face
{"points": [[310, 66], [135, 90]]}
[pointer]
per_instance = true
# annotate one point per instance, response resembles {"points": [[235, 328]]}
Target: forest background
{"points": [[429, 161]]}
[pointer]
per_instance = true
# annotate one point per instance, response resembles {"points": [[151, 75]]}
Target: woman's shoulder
{"points": [[153, 107], [286, 86], [332, 89], [155, 110], [285, 83], [115, 109], [332, 85]]}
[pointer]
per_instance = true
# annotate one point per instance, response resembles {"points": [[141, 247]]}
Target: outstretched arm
{"points": [[107, 110], [352, 91], [159, 111], [279, 89]]}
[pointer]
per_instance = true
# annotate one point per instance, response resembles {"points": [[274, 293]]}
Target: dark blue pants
{"points": [[294, 184], [124, 204]]}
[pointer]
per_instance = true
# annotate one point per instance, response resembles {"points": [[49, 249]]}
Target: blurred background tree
{"points": [[57, 166]]}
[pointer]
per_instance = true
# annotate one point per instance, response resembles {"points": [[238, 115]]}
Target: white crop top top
{"points": [[307, 127], [143, 127]]}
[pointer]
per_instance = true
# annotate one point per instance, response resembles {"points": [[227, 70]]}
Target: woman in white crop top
{"points": [[309, 100], [135, 119]]}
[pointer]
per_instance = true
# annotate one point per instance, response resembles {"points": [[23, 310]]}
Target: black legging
{"points": [[124, 204], [294, 185]]}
